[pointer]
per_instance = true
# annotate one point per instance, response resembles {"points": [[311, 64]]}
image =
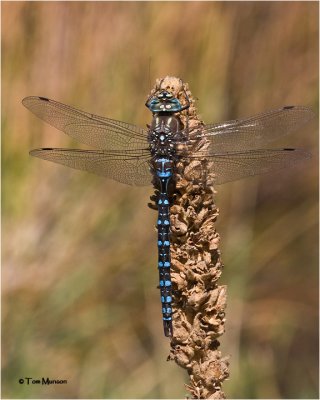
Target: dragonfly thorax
{"points": [[162, 134]]}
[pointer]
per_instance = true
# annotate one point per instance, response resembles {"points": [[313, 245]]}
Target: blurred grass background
{"points": [[79, 276]]}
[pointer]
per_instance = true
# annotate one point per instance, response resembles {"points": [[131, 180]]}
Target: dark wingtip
{"points": [[305, 109], [304, 154], [26, 99], [35, 152]]}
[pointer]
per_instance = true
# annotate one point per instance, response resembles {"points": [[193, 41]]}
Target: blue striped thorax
{"points": [[165, 123]]}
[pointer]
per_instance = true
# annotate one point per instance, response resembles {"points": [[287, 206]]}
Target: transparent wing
{"points": [[96, 131], [237, 165], [131, 169], [253, 132]]}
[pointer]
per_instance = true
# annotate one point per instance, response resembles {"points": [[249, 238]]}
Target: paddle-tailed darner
{"points": [[214, 153]]}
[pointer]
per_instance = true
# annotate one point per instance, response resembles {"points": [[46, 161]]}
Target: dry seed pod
{"points": [[199, 303]]}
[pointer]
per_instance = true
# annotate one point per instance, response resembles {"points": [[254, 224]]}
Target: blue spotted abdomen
{"points": [[164, 170], [164, 262]]}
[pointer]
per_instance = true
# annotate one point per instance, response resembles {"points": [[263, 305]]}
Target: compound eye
{"points": [[160, 95], [169, 95]]}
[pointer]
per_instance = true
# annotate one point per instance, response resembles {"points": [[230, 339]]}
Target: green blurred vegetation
{"points": [[79, 269]]}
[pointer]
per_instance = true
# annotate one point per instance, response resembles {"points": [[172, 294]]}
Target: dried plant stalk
{"points": [[199, 302]]}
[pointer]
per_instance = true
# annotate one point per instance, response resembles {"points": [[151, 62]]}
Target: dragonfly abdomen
{"points": [[164, 173], [164, 262]]}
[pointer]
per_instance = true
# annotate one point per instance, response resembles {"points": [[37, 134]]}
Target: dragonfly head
{"points": [[164, 102]]}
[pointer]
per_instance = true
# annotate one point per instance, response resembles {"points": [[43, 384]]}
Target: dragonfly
{"points": [[143, 156]]}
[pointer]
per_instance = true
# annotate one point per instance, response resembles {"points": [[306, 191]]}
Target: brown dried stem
{"points": [[199, 302]]}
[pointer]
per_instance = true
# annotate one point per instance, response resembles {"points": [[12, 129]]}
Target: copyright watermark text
{"points": [[42, 381]]}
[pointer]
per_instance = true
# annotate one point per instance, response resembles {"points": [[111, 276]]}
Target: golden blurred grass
{"points": [[79, 254]]}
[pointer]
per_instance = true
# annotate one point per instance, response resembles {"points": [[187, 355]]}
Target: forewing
{"points": [[132, 169], [96, 131], [253, 132]]}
